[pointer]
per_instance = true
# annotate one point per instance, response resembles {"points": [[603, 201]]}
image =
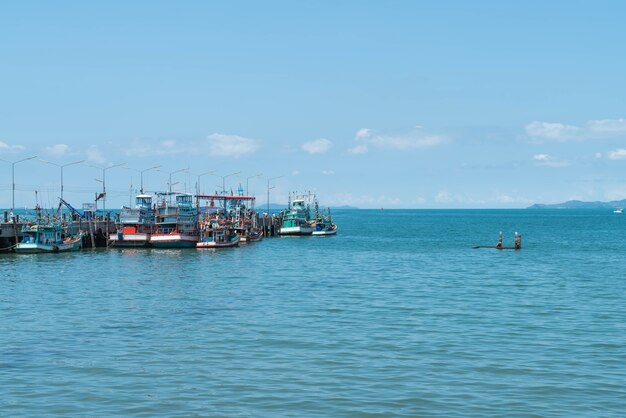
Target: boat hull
{"points": [[325, 233], [296, 230], [254, 237], [173, 241], [217, 244], [36, 248], [130, 240]]}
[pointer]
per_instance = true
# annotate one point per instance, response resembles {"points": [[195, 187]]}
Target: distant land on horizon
{"points": [[579, 204]]}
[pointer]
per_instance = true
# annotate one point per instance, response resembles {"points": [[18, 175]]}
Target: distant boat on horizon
{"points": [[618, 210]]}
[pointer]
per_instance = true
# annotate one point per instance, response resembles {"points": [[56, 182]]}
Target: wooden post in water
{"points": [[91, 233]]}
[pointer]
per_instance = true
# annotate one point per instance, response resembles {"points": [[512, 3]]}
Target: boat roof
{"points": [[225, 197]]}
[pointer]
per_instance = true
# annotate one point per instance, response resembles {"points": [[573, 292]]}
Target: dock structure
{"points": [[270, 224], [95, 231]]}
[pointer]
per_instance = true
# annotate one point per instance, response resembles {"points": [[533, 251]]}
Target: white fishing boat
{"points": [[135, 225], [619, 210], [47, 238], [176, 225]]}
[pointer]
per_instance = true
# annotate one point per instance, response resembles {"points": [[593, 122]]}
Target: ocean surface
{"points": [[397, 315]]}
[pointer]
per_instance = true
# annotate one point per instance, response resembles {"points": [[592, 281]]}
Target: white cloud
{"points": [[363, 133], [318, 146], [295, 173], [615, 194], [443, 197], [359, 149], [222, 145], [608, 125], [94, 155], [618, 154], [366, 138], [592, 129], [555, 131], [6, 148], [548, 161], [328, 172], [139, 148], [57, 150]]}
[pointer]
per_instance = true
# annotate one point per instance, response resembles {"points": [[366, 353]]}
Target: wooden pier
{"points": [[270, 225]]}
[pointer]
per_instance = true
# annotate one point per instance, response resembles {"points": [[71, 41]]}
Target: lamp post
{"points": [[61, 167], [251, 177], [224, 187], [224, 181], [170, 182], [200, 175], [141, 174], [13, 163], [268, 192], [104, 187]]}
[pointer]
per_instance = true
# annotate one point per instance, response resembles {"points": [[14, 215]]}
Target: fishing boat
{"points": [[176, 225], [619, 210], [135, 225], [216, 234], [322, 222], [254, 235], [47, 238], [296, 219], [235, 210]]}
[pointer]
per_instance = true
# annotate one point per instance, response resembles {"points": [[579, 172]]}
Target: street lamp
{"points": [[200, 175], [13, 179], [224, 181], [268, 192], [224, 187], [104, 188], [251, 177], [170, 182], [62, 166], [141, 174]]}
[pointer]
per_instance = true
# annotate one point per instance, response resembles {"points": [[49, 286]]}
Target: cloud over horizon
{"points": [[224, 145], [413, 140], [57, 150], [592, 129], [618, 154], [7, 148], [317, 146], [549, 161]]}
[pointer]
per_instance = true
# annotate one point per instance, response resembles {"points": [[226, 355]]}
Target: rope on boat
{"points": [[8, 248]]}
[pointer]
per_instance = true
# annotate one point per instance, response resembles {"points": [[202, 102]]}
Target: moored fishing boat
{"points": [[46, 238], [176, 225], [135, 225], [296, 219], [235, 211], [215, 234], [254, 235], [322, 222]]}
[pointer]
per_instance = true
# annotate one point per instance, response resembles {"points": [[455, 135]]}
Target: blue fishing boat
{"points": [[296, 218], [322, 222], [176, 225], [46, 238]]}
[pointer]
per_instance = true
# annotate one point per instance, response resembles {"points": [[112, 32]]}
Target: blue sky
{"points": [[406, 104]]}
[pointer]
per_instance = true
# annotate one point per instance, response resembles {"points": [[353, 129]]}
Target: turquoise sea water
{"points": [[395, 316]]}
